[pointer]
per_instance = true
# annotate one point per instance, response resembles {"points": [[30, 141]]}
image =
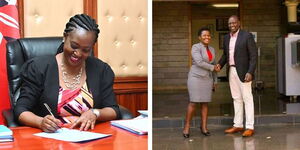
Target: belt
{"points": [[232, 66]]}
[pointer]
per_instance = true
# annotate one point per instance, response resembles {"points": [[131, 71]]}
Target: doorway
{"points": [[215, 18]]}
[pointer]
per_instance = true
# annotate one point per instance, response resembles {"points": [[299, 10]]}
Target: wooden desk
{"points": [[120, 140]]}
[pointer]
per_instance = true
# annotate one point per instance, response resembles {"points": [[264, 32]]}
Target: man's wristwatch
{"points": [[96, 112]]}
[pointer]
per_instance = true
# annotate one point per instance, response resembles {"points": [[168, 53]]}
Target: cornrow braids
{"points": [[83, 21]]}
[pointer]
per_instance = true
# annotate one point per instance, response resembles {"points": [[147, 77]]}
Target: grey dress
{"points": [[201, 75]]}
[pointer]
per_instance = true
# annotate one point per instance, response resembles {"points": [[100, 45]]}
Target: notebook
{"points": [[72, 135], [137, 126], [143, 112], [5, 131], [6, 138], [6, 135]]}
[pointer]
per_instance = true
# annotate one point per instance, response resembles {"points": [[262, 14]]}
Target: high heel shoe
{"points": [[186, 135], [207, 133]]}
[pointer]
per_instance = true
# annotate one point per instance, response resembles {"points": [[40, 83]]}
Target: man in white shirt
{"points": [[240, 54]]}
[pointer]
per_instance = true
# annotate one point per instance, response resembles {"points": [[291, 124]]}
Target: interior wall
{"points": [[171, 37], [123, 36], [48, 18], [171, 44], [122, 41], [268, 26]]}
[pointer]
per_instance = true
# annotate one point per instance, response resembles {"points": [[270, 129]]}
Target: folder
{"points": [[6, 138], [137, 126], [6, 135], [144, 113], [4, 131]]}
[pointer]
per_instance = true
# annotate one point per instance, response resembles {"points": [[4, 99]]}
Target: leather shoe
{"points": [[248, 133], [233, 130]]}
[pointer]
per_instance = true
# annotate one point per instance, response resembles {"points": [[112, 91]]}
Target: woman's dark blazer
{"points": [[40, 84], [245, 54]]}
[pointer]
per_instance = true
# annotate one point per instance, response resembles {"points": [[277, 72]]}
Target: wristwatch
{"points": [[96, 112]]}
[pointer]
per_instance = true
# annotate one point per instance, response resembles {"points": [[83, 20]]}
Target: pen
{"points": [[49, 110]]}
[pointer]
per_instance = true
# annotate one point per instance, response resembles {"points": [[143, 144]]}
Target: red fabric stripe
{"points": [[10, 10], [67, 96], [7, 31], [4, 100]]}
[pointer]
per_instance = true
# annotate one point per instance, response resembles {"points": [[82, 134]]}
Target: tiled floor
{"points": [[173, 104], [272, 137], [275, 130]]}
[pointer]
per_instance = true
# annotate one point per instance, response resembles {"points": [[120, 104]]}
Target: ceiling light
{"points": [[225, 5]]}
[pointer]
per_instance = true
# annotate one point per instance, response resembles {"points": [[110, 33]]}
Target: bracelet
{"points": [[96, 112]]}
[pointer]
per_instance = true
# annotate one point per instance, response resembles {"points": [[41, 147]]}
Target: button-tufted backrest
{"points": [[123, 37], [48, 17], [122, 41], [19, 51]]}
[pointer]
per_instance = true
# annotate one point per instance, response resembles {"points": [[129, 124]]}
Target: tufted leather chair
{"points": [[18, 52]]}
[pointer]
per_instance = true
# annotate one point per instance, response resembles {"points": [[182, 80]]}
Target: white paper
{"points": [[139, 126], [143, 112], [72, 135]]}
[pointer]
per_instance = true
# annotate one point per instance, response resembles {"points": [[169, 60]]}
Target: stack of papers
{"points": [[144, 113], [137, 126], [72, 135], [6, 135]]}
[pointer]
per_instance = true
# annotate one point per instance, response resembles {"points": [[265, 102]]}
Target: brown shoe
{"points": [[248, 132], [234, 130]]}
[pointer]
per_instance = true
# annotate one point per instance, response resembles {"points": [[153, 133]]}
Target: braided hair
{"points": [[83, 21], [80, 21]]}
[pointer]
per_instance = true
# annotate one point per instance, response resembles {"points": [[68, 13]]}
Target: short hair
{"points": [[235, 16], [83, 21], [203, 29]]}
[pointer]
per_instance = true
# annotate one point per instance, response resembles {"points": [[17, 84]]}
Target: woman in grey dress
{"points": [[201, 81]]}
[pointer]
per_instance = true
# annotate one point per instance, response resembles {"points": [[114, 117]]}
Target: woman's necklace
{"points": [[70, 82]]}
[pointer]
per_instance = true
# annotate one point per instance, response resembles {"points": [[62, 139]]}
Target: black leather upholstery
{"points": [[18, 52]]}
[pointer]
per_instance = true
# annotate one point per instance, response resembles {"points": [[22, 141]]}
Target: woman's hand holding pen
{"points": [[86, 120], [50, 124]]}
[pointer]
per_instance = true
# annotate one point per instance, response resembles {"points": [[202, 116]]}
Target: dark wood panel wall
{"points": [[20, 5], [131, 92]]}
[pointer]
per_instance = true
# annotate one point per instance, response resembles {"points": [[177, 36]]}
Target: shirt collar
{"points": [[235, 34], [204, 45]]}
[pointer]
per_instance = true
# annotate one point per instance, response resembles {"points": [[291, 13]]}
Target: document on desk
{"points": [[143, 112], [137, 126], [72, 135]]}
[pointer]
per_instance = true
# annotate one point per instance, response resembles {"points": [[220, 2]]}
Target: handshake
{"points": [[217, 68]]}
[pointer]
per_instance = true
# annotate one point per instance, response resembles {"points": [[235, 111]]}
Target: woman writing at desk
{"points": [[78, 88]]}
